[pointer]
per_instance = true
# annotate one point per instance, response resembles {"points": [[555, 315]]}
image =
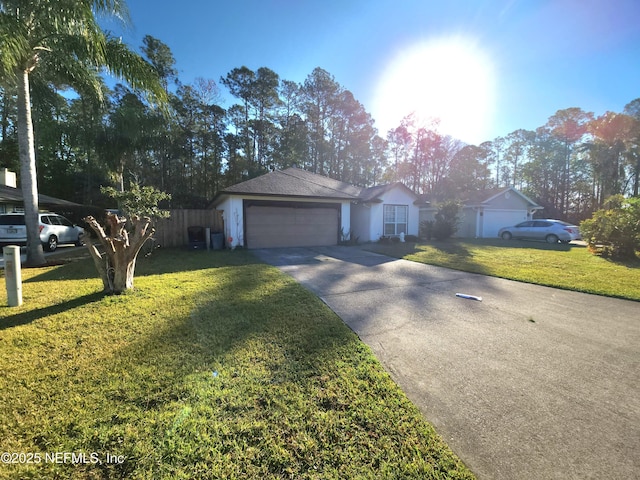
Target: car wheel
{"points": [[52, 244], [78, 242], [552, 238], [507, 236]]}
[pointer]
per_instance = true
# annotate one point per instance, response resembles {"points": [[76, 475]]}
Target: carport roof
{"points": [[11, 194]]}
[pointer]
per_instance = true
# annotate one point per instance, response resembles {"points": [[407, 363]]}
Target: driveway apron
{"points": [[529, 383]]}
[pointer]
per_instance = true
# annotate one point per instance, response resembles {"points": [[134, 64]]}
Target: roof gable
{"points": [[489, 197], [483, 197], [375, 194]]}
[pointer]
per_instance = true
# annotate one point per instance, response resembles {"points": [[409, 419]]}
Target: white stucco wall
{"points": [[232, 214], [368, 219], [345, 218], [361, 222]]}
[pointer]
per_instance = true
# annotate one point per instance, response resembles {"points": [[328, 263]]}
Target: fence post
{"points": [[13, 275]]}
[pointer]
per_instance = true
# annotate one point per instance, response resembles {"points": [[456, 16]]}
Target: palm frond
{"points": [[69, 71], [124, 64], [113, 8], [14, 45]]}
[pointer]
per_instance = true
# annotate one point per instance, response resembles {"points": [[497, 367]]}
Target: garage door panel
{"points": [[270, 226], [493, 221]]}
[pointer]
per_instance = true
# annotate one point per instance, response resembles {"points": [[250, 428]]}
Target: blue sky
{"points": [[535, 57]]}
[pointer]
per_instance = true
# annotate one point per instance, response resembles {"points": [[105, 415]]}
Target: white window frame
{"points": [[388, 208]]}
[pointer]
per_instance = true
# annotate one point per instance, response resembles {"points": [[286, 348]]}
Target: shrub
{"points": [[445, 224], [426, 229], [614, 231], [348, 238]]}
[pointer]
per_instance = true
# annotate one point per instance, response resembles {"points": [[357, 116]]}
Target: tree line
{"points": [[570, 165], [193, 147]]}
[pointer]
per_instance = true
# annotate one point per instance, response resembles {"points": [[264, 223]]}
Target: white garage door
{"points": [[281, 226], [494, 220]]}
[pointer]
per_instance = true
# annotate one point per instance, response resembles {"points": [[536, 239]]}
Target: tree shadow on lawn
{"points": [[24, 318], [247, 360], [455, 254], [172, 260], [523, 243], [217, 371], [623, 262]]}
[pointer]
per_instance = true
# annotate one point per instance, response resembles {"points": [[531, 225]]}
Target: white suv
{"points": [[54, 230]]}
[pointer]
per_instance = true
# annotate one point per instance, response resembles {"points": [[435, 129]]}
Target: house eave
{"points": [[222, 196]]}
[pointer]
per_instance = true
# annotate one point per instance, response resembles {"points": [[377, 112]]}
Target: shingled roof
{"points": [[480, 197], [11, 194], [294, 182], [373, 194]]}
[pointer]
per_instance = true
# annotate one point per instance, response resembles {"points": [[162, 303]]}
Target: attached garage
{"points": [[296, 208], [494, 220], [290, 224]]}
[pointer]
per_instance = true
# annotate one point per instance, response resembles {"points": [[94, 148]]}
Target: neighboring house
{"points": [[11, 199], [295, 208], [485, 212]]}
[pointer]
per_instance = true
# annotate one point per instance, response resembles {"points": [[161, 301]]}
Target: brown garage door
{"points": [[281, 226]]}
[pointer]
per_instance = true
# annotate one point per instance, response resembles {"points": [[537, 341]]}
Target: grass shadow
{"points": [[258, 367], [25, 318], [621, 262], [451, 247], [80, 269], [206, 374], [173, 260], [522, 243]]}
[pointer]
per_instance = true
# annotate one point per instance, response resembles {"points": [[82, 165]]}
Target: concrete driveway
{"points": [[529, 383]]}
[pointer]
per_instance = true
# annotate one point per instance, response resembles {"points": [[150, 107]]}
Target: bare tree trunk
{"points": [[28, 175], [116, 266]]}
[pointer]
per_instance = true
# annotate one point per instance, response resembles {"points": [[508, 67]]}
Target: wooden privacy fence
{"points": [[172, 231]]}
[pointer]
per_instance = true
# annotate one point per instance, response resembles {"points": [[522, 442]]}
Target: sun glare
{"points": [[450, 80]]}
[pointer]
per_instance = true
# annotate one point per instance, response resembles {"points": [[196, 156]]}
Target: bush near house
{"points": [[614, 231], [445, 223]]}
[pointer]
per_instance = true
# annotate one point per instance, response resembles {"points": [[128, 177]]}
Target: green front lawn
{"points": [[570, 266], [217, 366]]}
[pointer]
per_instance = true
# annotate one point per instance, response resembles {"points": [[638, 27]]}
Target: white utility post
{"points": [[13, 275]]}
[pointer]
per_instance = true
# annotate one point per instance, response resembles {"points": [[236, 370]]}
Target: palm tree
{"points": [[61, 42]]}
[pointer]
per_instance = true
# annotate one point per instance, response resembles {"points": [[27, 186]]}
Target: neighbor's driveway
{"points": [[531, 383]]}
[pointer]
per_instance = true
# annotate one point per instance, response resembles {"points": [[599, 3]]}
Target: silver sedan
{"points": [[551, 231]]}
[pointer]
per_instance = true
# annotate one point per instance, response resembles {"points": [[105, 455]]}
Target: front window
{"points": [[395, 219]]}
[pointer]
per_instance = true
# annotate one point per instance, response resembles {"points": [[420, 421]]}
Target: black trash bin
{"points": [[197, 238], [217, 241]]}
